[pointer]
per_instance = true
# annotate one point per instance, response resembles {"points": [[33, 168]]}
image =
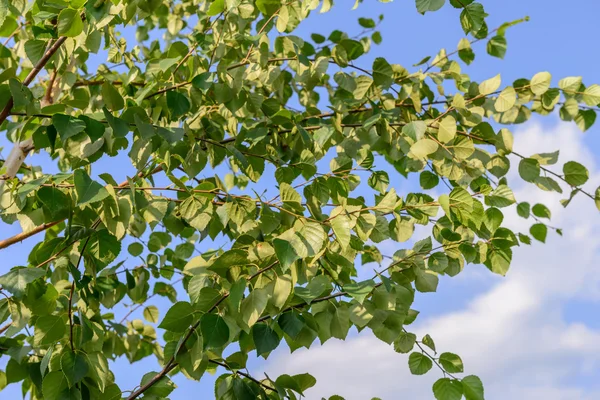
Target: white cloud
{"points": [[514, 336]]}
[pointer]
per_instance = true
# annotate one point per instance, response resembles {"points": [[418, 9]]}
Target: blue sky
{"points": [[499, 325]]}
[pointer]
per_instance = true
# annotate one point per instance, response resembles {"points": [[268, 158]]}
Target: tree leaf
{"points": [[75, 366], [540, 83], [265, 339], [490, 86], [429, 5], [447, 389], [215, 331], [88, 191], [151, 314], [360, 290], [178, 318], [506, 99], [17, 279], [112, 98], [253, 306], [472, 387], [575, 174], [55, 385], [69, 23], [419, 363], [451, 363], [49, 329]]}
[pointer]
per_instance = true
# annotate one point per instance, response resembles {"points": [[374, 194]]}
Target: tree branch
{"points": [[171, 364], [24, 235], [248, 376], [33, 73]]}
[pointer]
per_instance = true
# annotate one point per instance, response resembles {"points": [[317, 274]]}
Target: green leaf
{"points": [[253, 306], [541, 211], [178, 103], [268, 7], [447, 389], [55, 202], [104, 247], [426, 281], [546, 158], [447, 129], [49, 329], [498, 261], [428, 180], [151, 314], [529, 169], [429, 5], [69, 23], [570, 84], [382, 73], [291, 323], [88, 191], [496, 46], [575, 174], [539, 232], [17, 279], [55, 386], [215, 331], [340, 223], [35, 50], [540, 83], [419, 364], [281, 291], [360, 290], [366, 23], [405, 342], [472, 388], [3, 11], [265, 339], [524, 210], [135, 249], [120, 128], [99, 371], [472, 17], [160, 389], [423, 148], [506, 99], [178, 318], [21, 95], [75, 366], [591, 95], [67, 126], [314, 289], [216, 7], [490, 86], [112, 98], [502, 196], [585, 119], [451, 363]]}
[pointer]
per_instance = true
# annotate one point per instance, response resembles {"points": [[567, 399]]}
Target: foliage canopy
{"points": [[230, 84]]}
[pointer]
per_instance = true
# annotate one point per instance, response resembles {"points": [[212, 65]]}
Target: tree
{"points": [[230, 84]]}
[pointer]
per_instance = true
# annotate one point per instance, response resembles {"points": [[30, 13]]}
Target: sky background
{"points": [[534, 333]]}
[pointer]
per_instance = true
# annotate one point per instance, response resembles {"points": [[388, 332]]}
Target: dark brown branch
{"points": [[24, 235], [100, 82], [5, 328], [32, 74]]}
